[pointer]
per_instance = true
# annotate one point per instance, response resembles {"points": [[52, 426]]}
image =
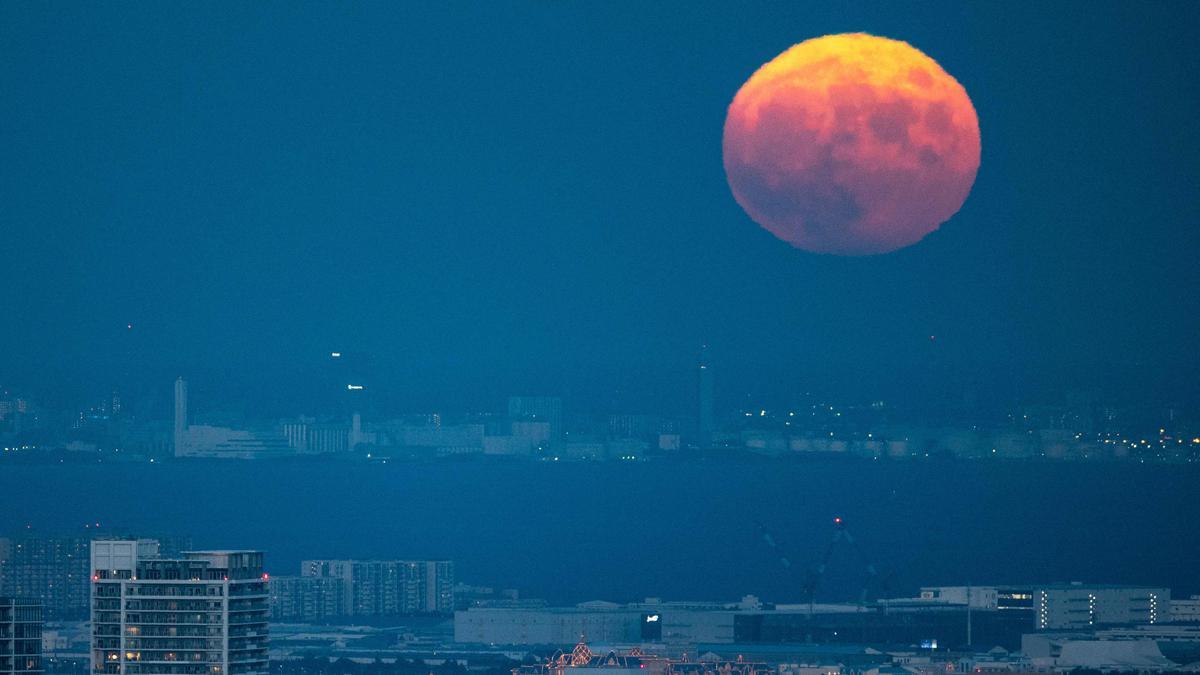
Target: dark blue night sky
{"points": [[488, 196]]}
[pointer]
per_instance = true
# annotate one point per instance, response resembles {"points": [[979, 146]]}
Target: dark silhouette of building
{"points": [[20, 636]]}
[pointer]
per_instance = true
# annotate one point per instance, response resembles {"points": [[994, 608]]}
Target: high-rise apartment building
{"points": [[385, 587], [20, 637], [203, 613], [308, 598], [50, 570], [55, 571]]}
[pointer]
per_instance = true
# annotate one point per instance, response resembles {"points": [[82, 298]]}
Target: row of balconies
{"points": [[247, 652], [174, 643], [248, 603], [172, 669], [247, 665], [173, 605], [175, 656], [255, 619], [169, 591], [159, 656], [172, 631], [165, 619]]}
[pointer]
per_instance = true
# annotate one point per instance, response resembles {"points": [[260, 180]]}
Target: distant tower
{"points": [[355, 430], [705, 437], [181, 424]]}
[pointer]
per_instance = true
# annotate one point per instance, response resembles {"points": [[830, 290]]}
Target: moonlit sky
{"points": [[531, 195]]}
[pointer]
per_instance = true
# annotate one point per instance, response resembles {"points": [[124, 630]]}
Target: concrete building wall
{"points": [[1078, 606], [546, 626], [1186, 610], [695, 626], [981, 597]]}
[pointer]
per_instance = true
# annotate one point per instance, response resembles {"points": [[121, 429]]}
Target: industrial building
{"points": [[1064, 606], [203, 440], [1140, 648], [1078, 606], [745, 623], [20, 636], [1186, 610], [601, 622], [202, 614], [307, 436]]}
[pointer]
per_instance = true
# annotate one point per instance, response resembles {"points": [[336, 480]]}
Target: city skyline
{"points": [[581, 338]]}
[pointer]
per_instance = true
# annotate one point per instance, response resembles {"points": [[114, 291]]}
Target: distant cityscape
{"points": [[600, 338], [144, 605], [1080, 427]]}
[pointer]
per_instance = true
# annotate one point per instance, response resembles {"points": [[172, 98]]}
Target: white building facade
{"points": [[203, 614]]}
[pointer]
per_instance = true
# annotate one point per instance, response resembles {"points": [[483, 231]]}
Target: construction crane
{"points": [[813, 575]]}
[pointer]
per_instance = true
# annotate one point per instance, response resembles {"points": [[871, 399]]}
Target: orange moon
{"points": [[851, 145]]}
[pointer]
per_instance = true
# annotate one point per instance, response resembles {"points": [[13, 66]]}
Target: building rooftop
{"points": [[1077, 585]]}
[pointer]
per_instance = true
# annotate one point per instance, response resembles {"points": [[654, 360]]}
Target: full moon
{"points": [[851, 145]]}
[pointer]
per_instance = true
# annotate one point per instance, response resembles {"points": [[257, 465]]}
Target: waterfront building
{"points": [[204, 440]]}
